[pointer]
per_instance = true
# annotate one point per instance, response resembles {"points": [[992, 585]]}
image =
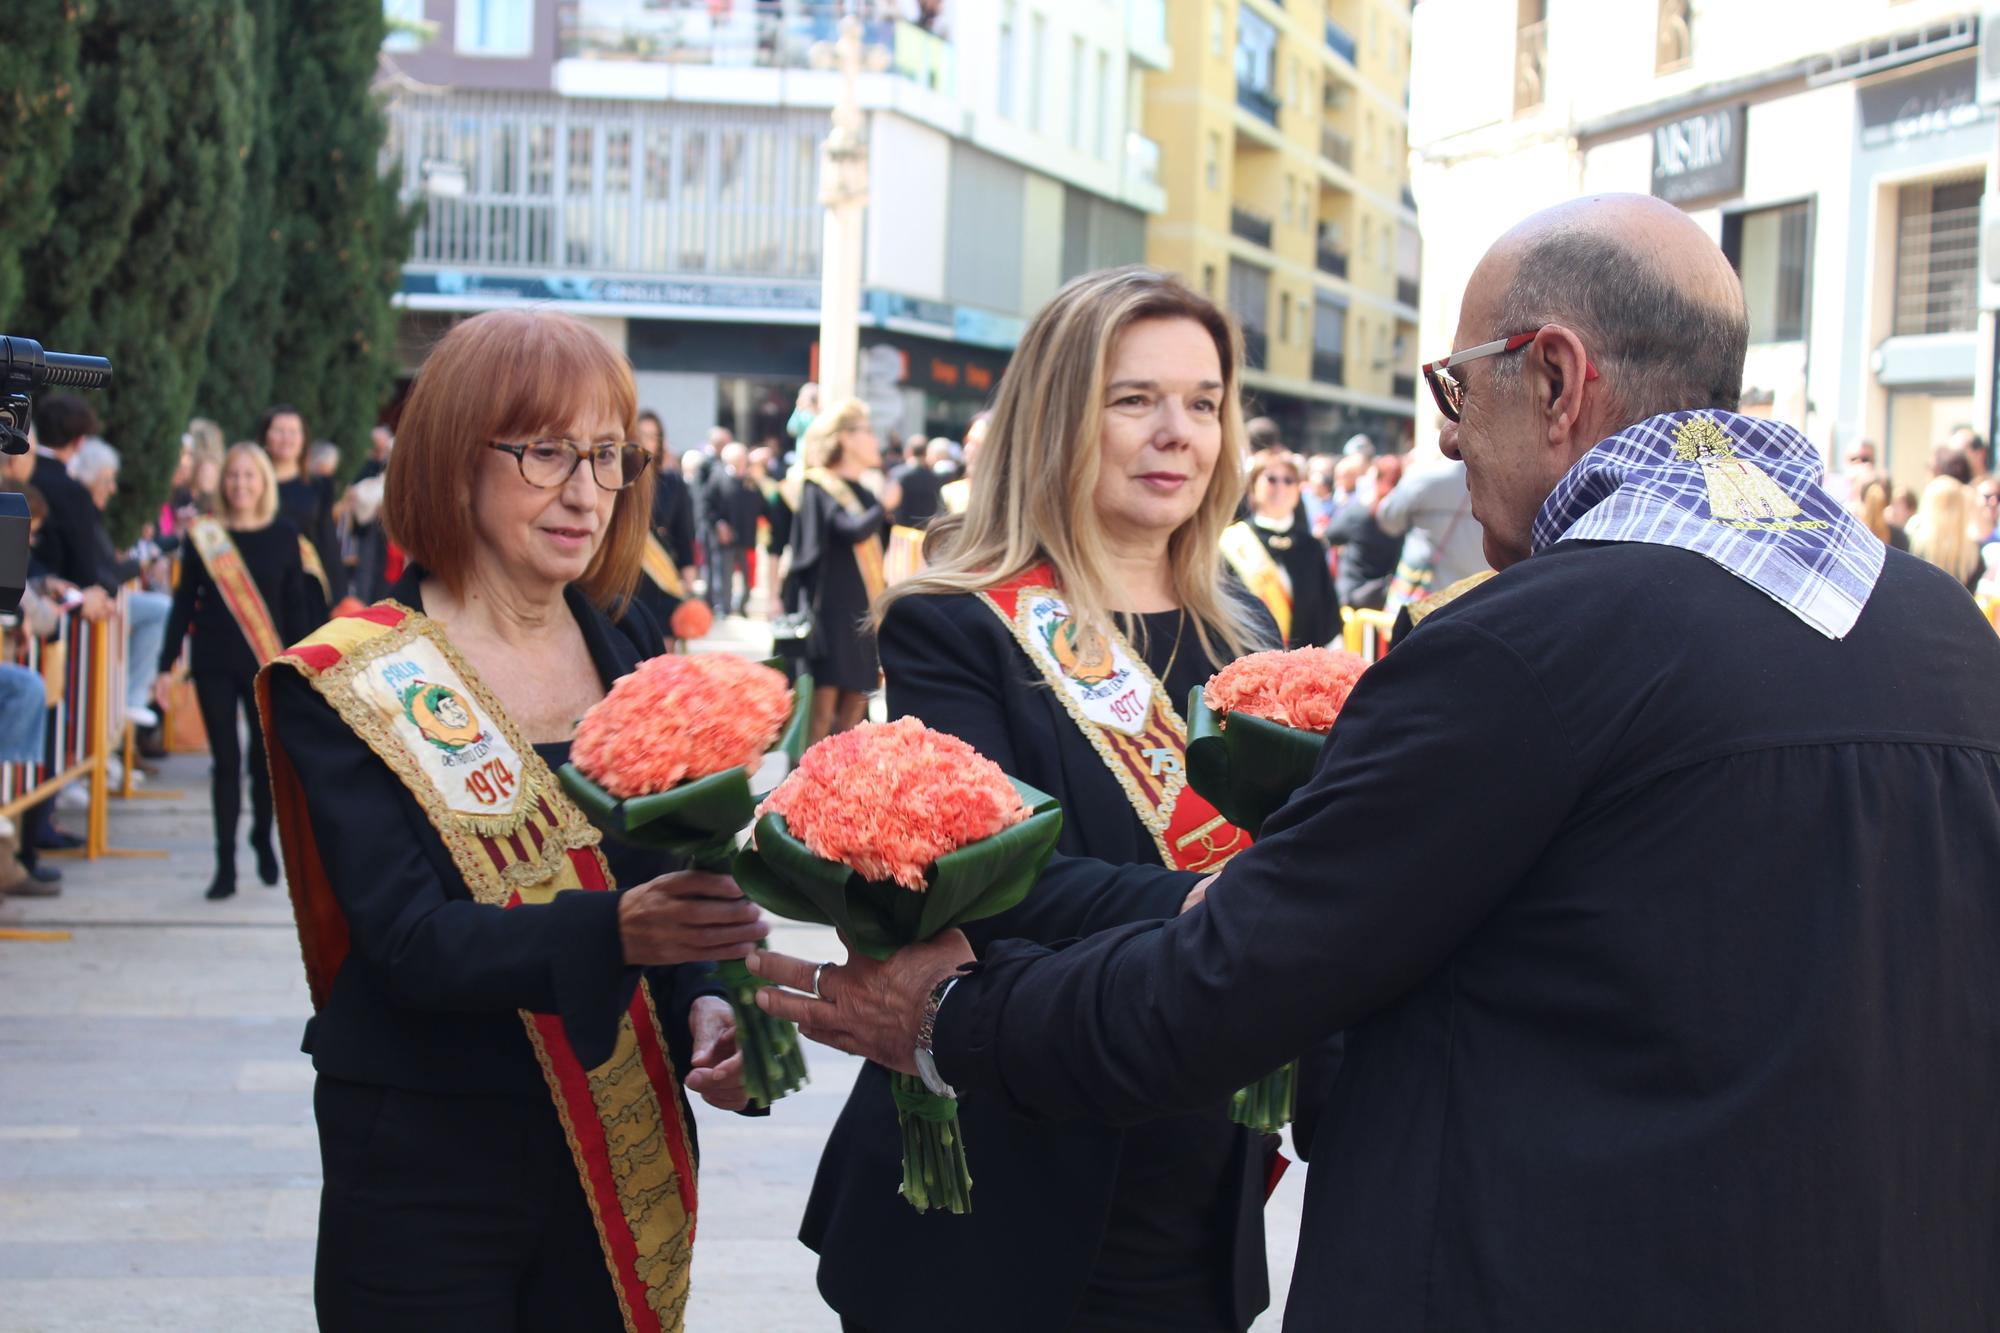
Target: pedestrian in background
{"points": [[306, 501], [1942, 530], [838, 535]]}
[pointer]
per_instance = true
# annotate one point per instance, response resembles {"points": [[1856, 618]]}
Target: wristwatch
{"points": [[926, 1030]]}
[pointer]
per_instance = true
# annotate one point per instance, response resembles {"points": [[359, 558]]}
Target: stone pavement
{"points": [[158, 1165]]}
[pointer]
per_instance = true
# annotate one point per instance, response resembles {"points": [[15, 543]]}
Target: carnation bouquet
{"points": [[664, 760], [1255, 733], [893, 832]]}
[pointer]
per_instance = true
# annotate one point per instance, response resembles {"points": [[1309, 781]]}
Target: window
{"points": [[1105, 117], [1329, 341], [495, 28], [1288, 199], [1772, 251], [1284, 317], [1003, 100], [1250, 302], [406, 13], [1218, 25], [1076, 64], [1531, 54], [1212, 169], [1674, 43], [1038, 59], [1937, 256], [1256, 55], [1208, 281]]}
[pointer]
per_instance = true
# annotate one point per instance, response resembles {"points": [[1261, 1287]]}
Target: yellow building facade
{"points": [[1284, 155]]}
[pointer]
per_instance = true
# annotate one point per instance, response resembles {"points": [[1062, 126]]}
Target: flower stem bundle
{"points": [[1255, 733], [664, 761], [892, 833]]}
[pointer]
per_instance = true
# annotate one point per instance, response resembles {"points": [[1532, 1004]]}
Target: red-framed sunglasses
{"points": [[1449, 392]]}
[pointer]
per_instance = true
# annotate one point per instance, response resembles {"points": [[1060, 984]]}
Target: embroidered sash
{"points": [[906, 554], [309, 557], [1262, 575], [237, 589], [867, 551], [1124, 712], [516, 838], [659, 567]]}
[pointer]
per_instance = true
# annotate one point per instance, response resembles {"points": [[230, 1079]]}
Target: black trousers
{"points": [[221, 697], [445, 1212]]}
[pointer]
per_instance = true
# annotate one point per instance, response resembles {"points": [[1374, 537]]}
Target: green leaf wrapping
{"points": [[878, 917], [1250, 768]]}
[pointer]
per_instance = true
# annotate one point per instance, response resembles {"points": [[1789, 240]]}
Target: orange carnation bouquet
{"points": [[891, 833], [665, 760], [1255, 733]]}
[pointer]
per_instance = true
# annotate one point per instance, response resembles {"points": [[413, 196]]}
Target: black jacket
{"points": [[920, 500], [673, 516], [291, 595], [1368, 556], [727, 498], [1666, 937], [307, 502], [427, 997], [72, 544], [1043, 1194]]}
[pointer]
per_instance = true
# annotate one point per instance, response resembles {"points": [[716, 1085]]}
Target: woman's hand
{"points": [[689, 916], [1198, 894], [716, 1067], [163, 688]]}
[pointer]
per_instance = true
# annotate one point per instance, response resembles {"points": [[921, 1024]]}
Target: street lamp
{"points": [[843, 191]]}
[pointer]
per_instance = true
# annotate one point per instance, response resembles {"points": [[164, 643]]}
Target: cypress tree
{"points": [[345, 233], [144, 240], [38, 73]]}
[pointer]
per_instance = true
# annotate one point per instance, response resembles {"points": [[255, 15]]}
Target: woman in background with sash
{"points": [[837, 537], [1059, 628], [505, 1008], [1278, 559], [304, 500], [245, 594]]}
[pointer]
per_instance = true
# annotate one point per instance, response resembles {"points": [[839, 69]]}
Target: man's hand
{"points": [[1199, 893], [866, 1008], [725, 533], [97, 604], [687, 917], [715, 1071]]}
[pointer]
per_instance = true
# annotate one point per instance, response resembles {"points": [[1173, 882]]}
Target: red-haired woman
{"points": [[484, 1042]]}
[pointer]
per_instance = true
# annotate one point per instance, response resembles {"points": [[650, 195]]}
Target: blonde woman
{"points": [[837, 538], [1061, 624], [1875, 516], [1941, 531], [245, 594]]}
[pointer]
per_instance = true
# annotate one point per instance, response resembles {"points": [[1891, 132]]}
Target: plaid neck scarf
{"points": [[1742, 491]]}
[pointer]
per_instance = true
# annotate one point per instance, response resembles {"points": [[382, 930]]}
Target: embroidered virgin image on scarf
{"points": [[1742, 491]]}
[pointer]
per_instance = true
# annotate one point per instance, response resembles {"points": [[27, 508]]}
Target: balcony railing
{"points": [[1403, 386], [1142, 161], [1531, 66], [1259, 104], [1406, 291], [1331, 261], [1329, 367], [1336, 147], [1339, 41], [1250, 226], [1256, 349], [769, 34]]}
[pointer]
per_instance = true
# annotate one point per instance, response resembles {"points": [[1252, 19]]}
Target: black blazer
{"points": [[69, 545], [673, 516], [1666, 937], [308, 503], [1042, 1191], [427, 997]]}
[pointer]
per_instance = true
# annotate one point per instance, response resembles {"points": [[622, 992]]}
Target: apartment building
{"points": [[1838, 151], [653, 165], [1288, 199]]}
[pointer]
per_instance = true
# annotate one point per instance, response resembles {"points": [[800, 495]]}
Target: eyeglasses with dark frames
{"points": [[1449, 391], [547, 464]]}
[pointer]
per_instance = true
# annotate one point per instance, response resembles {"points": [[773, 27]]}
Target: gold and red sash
{"points": [[659, 567], [1124, 711], [905, 559], [1262, 575], [867, 551], [515, 836], [309, 557], [238, 590]]}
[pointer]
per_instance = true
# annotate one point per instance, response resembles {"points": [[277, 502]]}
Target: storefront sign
{"points": [[1699, 157], [613, 291], [1937, 101]]}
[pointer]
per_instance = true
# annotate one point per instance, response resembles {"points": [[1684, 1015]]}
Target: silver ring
{"points": [[816, 971]]}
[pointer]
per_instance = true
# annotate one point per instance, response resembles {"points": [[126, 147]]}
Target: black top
{"points": [[1159, 1227], [1667, 934], [1315, 603], [826, 579], [297, 607], [728, 498], [72, 541], [673, 516], [920, 500], [428, 997], [307, 502], [1368, 556]]}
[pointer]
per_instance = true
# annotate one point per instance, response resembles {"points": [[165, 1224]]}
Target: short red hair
{"points": [[508, 375]]}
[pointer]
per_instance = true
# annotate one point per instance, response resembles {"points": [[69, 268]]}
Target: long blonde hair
{"points": [[820, 446], [1941, 532], [1032, 493]]}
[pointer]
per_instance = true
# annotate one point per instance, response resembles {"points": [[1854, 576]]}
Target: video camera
{"points": [[25, 369]]}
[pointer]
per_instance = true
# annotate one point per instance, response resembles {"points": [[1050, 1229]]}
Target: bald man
{"points": [[1652, 881]]}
